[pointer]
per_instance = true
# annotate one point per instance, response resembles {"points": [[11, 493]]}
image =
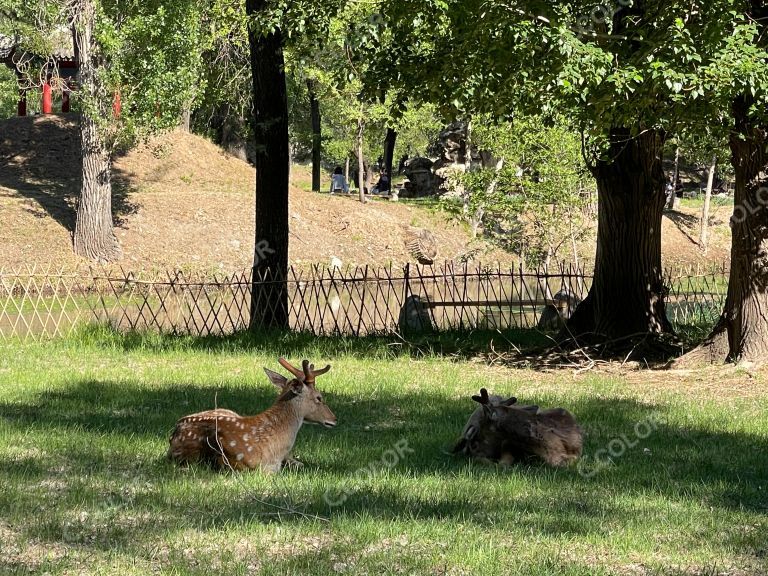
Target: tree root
{"points": [[714, 350], [591, 350]]}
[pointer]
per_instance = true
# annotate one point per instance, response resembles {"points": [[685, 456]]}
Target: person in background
{"points": [[383, 185], [338, 182]]}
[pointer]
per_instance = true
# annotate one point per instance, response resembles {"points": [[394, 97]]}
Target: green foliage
{"points": [[225, 88], [9, 93], [534, 205], [651, 65], [151, 56]]}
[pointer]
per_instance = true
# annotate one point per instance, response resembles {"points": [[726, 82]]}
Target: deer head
{"points": [[302, 390]]}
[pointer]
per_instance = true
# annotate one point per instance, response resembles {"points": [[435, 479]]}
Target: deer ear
{"points": [[277, 379]]}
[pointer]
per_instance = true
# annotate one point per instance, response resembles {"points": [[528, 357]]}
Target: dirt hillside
{"points": [[181, 202]]}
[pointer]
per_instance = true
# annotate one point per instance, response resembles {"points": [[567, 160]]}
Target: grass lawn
{"points": [[85, 488]]}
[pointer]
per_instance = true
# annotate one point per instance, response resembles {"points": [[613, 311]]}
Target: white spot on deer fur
{"points": [[246, 437], [240, 456], [250, 448], [233, 443]]}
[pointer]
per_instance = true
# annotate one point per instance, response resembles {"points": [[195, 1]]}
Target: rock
{"points": [[419, 172], [414, 316]]}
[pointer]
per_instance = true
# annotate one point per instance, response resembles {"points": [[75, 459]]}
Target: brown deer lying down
{"points": [[501, 431], [226, 440]]}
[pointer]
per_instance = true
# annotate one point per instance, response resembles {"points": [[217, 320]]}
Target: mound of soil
{"points": [[182, 202]]}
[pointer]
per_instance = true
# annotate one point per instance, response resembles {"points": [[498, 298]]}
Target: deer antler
{"points": [[311, 373], [483, 398], [307, 374], [319, 372], [291, 368]]}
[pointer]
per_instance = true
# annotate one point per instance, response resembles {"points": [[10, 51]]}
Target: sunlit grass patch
{"points": [[84, 426]]}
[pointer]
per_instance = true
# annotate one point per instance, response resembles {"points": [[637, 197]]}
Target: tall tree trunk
{"points": [[741, 334], [94, 237], [627, 293], [185, 120], [269, 299], [389, 152], [672, 201], [360, 158], [745, 316], [346, 170], [704, 235], [314, 112]]}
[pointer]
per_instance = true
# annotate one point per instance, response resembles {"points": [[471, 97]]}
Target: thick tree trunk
{"points": [[389, 152], [314, 112], [627, 293], [704, 235], [746, 308], [94, 237], [269, 298], [741, 334]]}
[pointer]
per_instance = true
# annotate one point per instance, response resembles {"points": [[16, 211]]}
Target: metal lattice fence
{"points": [[38, 303]]}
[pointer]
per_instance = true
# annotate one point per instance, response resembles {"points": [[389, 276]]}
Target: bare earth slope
{"points": [[181, 202]]}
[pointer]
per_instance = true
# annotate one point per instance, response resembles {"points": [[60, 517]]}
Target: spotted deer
{"points": [[226, 440], [501, 431]]}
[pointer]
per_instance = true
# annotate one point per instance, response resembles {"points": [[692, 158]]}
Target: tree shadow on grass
{"points": [[457, 345], [99, 447]]}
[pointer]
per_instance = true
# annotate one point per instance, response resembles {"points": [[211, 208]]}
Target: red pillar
{"points": [[47, 99], [117, 106], [65, 100], [22, 108]]}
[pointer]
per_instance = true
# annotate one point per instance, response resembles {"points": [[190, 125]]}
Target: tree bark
{"points": [[704, 235], [672, 201], [269, 296], [346, 170], [741, 334], [745, 316], [627, 293], [389, 152], [94, 237], [314, 113], [360, 158]]}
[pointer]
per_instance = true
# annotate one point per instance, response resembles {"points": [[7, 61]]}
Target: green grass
{"points": [[698, 202], [85, 488]]}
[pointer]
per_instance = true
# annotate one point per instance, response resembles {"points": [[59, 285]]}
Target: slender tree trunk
{"points": [[672, 201], [314, 112], [269, 299], [186, 117], [346, 170], [627, 293], [94, 237], [360, 158], [389, 152], [704, 235]]}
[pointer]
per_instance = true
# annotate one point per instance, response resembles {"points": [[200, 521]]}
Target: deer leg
{"points": [[291, 463]]}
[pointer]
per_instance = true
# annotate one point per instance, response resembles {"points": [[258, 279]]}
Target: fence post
{"points": [[406, 281]]}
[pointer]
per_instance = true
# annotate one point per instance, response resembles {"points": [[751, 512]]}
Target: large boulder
{"points": [[419, 172]]}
